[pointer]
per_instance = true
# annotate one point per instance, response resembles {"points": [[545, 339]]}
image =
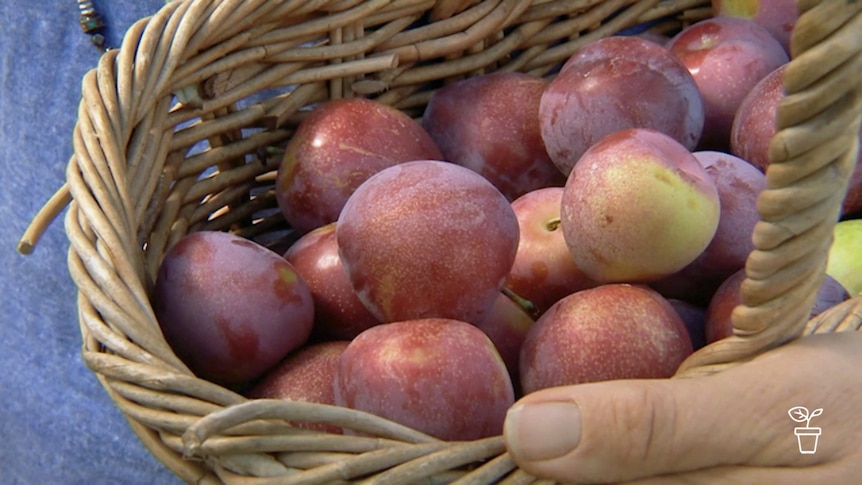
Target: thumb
{"points": [[624, 430]]}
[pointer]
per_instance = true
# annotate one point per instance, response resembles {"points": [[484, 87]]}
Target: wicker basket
{"points": [[175, 134]]}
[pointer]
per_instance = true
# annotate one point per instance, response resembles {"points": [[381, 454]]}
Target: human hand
{"points": [[730, 427]]}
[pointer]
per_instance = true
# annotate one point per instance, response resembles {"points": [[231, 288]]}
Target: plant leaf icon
{"points": [[816, 412], [799, 413]]}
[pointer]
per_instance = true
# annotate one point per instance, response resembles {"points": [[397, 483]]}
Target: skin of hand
{"points": [[729, 427]]}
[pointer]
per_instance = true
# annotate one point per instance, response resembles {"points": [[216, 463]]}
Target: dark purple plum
{"points": [[338, 313], [336, 148], [305, 375], [229, 307], [613, 84], [490, 124], [694, 318], [726, 56]]}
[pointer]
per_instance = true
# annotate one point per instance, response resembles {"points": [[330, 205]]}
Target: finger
{"points": [[624, 430]]}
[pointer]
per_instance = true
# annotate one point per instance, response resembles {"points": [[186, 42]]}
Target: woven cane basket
{"points": [[179, 130]]}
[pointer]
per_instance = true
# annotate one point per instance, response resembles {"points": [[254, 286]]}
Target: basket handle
{"points": [[811, 156]]}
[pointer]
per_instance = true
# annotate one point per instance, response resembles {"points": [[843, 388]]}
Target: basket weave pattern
{"points": [[178, 131]]}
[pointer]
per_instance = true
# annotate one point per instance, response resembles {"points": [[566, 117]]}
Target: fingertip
{"points": [[541, 431]]}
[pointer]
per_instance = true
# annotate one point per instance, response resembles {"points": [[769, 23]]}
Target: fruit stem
{"points": [[553, 224], [526, 305]]}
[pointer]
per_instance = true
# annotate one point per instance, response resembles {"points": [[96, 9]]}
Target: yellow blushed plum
{"points": [[777, 16], [845, 255], [741, 8], [637, 207]]}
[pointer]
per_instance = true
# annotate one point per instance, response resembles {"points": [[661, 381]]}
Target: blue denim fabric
{"points": [[57, 424]]}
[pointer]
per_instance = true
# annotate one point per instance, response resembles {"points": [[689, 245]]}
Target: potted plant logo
{"points": [[806, 436]]}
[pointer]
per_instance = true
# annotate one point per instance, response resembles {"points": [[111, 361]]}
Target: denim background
{"points": [[57, 424]]}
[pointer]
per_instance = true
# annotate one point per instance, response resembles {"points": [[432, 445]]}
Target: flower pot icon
{"points": [[806, 436]]}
